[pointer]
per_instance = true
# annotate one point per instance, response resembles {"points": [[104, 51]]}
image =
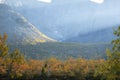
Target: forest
{"points": [[63, 50], [15, 66]]}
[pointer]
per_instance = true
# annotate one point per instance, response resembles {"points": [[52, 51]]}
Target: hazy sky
{"points": [[95, 1], [48, 1]]}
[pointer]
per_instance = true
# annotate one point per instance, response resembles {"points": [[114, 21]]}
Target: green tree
{"points": [[116, 42], [3, 53], [3, 46], [110, 70]]}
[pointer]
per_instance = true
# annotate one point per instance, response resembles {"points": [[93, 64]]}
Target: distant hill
{"points": [[99, 36], [18, 28]]}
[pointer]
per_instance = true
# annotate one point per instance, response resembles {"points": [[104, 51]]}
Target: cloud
{"points": [[47, 1], [97, 1]]}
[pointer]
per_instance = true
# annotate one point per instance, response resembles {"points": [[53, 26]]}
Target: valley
{"points": [[59, 40]]}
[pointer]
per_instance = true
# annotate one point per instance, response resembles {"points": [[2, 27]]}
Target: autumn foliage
{"points": [[14, 66]]}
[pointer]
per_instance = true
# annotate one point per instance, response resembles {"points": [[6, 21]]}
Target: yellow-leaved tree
{"points": [[10, 62]]}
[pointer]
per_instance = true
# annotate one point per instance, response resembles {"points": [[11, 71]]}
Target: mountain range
{"points": [[64, 19], [26, 21], [18, 28], [70, 20]]}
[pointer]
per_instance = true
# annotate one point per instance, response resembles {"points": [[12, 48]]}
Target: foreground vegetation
{"points": [[13, 65]]}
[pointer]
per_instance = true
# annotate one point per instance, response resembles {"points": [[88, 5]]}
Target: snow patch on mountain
{"points": [[47, 1], [97, 1]]}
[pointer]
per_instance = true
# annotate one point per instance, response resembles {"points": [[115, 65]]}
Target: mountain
{"points": [[18, 28], [99, 36], [63, 19], [20, 3]]}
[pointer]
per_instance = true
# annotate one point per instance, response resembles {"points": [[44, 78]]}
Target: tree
{"points": [[13, 62], [116, 42], [110, 70], [10, 62], [3, 54], [3, 46]]}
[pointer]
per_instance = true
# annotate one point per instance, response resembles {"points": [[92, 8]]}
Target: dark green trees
{"points": [[114, 57]]}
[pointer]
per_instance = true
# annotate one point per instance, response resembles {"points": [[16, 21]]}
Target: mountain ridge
{"points": [[100, 36]]}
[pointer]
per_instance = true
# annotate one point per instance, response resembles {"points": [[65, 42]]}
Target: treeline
{"points": [[51, 69], [63, 51], [14, 66]]}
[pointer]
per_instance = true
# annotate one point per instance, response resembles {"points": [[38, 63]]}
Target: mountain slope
{"points": [[18, 28], [99, 36]]}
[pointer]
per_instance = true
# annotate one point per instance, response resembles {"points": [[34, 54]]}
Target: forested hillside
{"points": [[64, 50]]}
